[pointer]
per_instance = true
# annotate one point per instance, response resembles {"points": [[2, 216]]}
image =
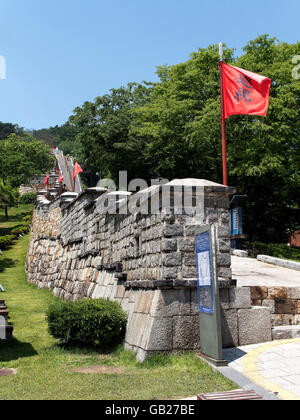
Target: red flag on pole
{"points": [[61, 178], [47, 179], [77, 170], [244, 92]]}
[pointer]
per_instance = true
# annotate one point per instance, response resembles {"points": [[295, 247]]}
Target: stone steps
{"points": [[6, 330], [286, 332]]}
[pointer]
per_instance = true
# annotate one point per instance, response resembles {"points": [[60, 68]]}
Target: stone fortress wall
{"points": [[146, 262]]}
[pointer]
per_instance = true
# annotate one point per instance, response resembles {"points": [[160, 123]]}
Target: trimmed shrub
{"points": [[273, 250], [6, 241], [20, 230], [87, 323], [27, 219], [28, 198]]}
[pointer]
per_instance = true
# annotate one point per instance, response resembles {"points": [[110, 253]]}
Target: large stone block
{"points": [[254, 325], [186, 332], [282, 319], [277, 293], [286, 306], [235, 298], [259, 292], [224, 260], [160, 336], [293, 293], [136, 328], [172, 230], [169, 245], [229, 325], [286, 332], [172, 260], [171, 302], [144, 299]]}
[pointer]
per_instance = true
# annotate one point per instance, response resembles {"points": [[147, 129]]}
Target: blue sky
{"points": [[60, 53]]}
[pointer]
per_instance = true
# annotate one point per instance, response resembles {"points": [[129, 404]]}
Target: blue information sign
{"points": [[204, 273]]}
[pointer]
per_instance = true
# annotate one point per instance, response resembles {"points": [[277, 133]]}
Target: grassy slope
{"points": [[43, 368]]}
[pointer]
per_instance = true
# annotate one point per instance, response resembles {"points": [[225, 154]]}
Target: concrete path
{"points": [[273, 366], [250, 272]]}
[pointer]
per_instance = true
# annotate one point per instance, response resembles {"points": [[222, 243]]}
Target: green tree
{"points": [[22, 158], [9, 197], [103, 141], [6, 129], [62, 137], [182, 122], [172, 129]]}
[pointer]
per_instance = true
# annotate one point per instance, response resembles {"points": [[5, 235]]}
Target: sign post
{"points": [[208, 296]]}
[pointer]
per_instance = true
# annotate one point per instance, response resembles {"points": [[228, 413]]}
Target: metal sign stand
{"points": [[208, 296]]}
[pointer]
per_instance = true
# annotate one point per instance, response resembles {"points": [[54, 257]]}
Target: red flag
{"points": [[47, 179], [61, 178], [77, 170], [244, 92]]}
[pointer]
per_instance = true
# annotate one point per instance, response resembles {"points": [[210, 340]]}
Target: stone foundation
{"points": [[283, 303]]}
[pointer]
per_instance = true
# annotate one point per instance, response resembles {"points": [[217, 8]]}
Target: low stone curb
{"points": [[293, 265]]}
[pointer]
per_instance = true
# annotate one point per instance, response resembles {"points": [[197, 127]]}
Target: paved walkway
{"points": [[250, 272], [274, 366]]}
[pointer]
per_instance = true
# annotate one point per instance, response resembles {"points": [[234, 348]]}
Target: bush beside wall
{"points": [[87, 323]]}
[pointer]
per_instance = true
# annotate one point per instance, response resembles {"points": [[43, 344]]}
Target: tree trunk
{"points": [[6, 212]]}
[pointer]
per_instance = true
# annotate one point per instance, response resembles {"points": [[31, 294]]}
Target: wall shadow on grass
{"points": [[14, 349], [7, 263]]}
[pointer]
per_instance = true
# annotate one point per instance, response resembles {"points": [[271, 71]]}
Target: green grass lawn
{"points": [[44, 369]]}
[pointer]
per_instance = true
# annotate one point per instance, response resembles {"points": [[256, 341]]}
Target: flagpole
{"points": [[223, 121]]}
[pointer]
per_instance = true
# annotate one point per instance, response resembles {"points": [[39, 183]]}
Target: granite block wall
{"points": [[146, 262]]}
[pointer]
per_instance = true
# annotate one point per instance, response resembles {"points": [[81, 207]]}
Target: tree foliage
{"points": [[6, 129], [22, 158], [172, 129], [62, 137], [104, 143]]}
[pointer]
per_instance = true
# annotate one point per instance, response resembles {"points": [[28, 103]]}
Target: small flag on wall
{"points": [[77, 170]]}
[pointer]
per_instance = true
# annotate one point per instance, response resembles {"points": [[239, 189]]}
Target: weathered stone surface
{"points": [[224, 260], [187, 245], [172, 230], [186, 332], [254, 325], [282, 319], [161, 336], [235, 298], [269, 303], [169, 245], [259, 292], [169, 303], [277, 293], [171, 260], [286, 306], [229, 325], [285, 332], [293, 293]]}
